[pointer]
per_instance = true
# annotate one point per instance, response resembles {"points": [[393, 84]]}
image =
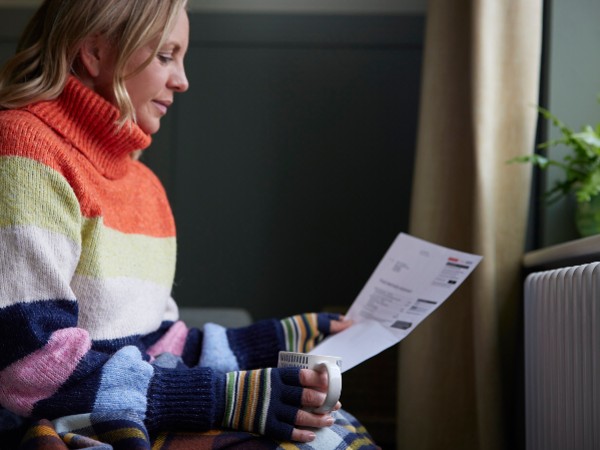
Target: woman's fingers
{"points": [[312, 398], [315, 387], [339, 325], [313, 395], [314, 379], [310, 420], [303, 435]]}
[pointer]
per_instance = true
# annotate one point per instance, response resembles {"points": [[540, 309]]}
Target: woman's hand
{"points": [[313, 395], [339, 324], [276, 402], [304, 331]]}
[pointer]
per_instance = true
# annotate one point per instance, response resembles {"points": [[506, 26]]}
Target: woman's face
{"points": [[152, 90]]}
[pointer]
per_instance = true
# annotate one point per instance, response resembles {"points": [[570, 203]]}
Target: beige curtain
{"points": [[459, 372]]}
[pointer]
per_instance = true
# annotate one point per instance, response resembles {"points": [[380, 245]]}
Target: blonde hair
{"points": [[48, 48]]}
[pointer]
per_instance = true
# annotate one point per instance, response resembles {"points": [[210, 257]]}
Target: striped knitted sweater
{"points": [[87, 257]]}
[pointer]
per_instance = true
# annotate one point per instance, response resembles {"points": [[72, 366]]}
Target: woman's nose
{"points": [[179, 81]]}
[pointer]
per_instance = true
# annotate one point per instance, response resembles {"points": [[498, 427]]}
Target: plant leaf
{"points": [[580, 165], [589, 136], [535, 159]]}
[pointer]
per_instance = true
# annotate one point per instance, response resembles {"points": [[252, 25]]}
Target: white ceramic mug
{"points": [[331, 364]]}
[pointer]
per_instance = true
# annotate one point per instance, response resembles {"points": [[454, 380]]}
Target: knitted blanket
{"points": [[121, 434]]}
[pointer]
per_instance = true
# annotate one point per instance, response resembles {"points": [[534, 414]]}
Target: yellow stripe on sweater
{"points": [[108, 253], [34, 194]]}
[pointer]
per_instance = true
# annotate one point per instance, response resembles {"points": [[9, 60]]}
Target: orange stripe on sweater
{"points": [[135, 203]]}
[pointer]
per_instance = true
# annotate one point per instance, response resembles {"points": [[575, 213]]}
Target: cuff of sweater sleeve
{"points": [[184, 399], [257, 346]]}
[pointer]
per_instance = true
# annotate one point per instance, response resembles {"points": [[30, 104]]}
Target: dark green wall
{"points": [[573, 71], [289, 161]]}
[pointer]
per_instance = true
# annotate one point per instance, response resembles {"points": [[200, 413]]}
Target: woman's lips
{"points": [[161, 106]]}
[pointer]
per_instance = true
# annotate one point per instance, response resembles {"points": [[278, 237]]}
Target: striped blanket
{"points": [[79, 432]]}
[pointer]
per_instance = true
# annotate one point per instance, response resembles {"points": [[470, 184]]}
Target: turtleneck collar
{"points": [[88, 122]]}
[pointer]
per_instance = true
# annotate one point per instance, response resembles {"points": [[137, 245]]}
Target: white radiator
{"points": [[562, 358]]}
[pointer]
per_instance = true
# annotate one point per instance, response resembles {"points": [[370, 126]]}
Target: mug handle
{"points": [[334, 389]]}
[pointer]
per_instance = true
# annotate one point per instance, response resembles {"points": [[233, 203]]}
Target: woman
{"points": [[89, 331]]}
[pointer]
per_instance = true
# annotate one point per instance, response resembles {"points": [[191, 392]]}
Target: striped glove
{"points": [[304, 331], [257, 346], [264, 401]]}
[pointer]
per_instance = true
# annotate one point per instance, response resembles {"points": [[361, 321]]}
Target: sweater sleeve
{"points": [[252, 347], [257, 346], [50, 367]]}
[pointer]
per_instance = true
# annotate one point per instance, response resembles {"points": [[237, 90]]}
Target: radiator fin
{"points": [[562, 361]]}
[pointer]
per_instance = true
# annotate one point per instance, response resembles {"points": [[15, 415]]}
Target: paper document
{"points": [[412, 280]]}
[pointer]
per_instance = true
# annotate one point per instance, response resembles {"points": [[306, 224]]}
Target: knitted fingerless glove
{"points": [[264, 401], [304, 331], [257, 346]]}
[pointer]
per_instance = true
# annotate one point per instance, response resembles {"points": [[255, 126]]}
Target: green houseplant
{"points": [[580, 167]]}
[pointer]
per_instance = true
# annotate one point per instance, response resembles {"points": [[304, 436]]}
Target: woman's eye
{"points": [[164, 57]]}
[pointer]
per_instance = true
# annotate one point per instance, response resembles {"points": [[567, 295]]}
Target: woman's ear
{"points": [[95, 65], [95, 55]]}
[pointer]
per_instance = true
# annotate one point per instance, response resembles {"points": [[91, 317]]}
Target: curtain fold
{"points": [[459, 371]]}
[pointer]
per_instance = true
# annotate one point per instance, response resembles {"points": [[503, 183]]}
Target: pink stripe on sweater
{"points": [[40, 374], [172, 342]]}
